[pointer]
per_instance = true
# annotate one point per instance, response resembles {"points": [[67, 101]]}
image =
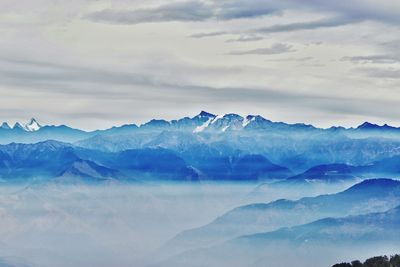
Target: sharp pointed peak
{"points": [[32, 125], [32, 120], [367, 125], [5, 125], [205, 114], [18, 125]]}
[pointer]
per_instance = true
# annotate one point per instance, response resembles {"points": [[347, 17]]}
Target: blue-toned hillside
{"points": [[367, 196]]}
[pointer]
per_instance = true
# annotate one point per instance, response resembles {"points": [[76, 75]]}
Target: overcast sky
{"points": [[94, 64]]}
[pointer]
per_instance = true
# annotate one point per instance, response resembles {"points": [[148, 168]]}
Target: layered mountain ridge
{"points": [[367, 196], [206, 121], [234, 148], [364, 215]]}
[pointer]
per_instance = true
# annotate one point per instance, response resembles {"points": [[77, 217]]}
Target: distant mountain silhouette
{"points": [[367, 196], [372, 227], [50, 159], [284, 246], [297, 147]]}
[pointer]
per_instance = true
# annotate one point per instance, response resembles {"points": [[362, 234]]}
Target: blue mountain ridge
{"points": [[368, 196], [372, 227], [232, 148], [52, 159], [226, 123], [329, 237]]}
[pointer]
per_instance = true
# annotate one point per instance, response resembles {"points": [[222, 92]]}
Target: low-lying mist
{"points": [[104, 225], [53, 224]]}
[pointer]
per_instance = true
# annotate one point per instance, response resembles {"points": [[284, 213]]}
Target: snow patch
{"points": [[246, 121], [203, 126], [32, 126], [217, 118]]}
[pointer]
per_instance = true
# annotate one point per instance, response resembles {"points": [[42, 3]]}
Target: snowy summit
{"points": [[32, 126]]}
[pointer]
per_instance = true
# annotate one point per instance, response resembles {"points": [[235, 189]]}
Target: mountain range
{"points": [[362, 216], [367, 196], [51, 159], [208, 147], [272, 156], [323, 241], [204, 122]]}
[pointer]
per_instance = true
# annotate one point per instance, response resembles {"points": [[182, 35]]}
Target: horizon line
{"points": [[16, 123]]}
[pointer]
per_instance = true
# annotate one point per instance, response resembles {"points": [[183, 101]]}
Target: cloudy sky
{"points": [[93, 64]]}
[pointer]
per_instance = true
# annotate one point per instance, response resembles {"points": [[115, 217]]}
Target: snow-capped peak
{"points": [[32, 126], [230, 121], [247, 120]]}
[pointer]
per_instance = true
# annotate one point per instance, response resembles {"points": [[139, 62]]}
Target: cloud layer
{"points": [[277, 48], [97, 64]]}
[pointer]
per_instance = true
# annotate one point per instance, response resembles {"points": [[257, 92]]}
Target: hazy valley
{"points": [[215, 190]]}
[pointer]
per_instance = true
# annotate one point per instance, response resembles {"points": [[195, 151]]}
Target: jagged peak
{"points": [[32, 125], [205, 114], [247, 120], [156, 123], [5, 125], [32, 120], [18, 125], [232, 116], [367, 125], [257, 118]]}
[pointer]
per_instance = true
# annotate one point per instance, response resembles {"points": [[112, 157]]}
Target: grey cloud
{"points": [[382, 73], [63, 74], [386, 11], [255, 34], [310, 25], [345, 12], [375, 59], [273, 50], [316, 43], [53, 77], [178, 11], [145, 85], [245, 38], [34, 72], [227, 10], [128, 88], [304, 59], [207, 34], [392, 46], [183, 11], [292, 59]]}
